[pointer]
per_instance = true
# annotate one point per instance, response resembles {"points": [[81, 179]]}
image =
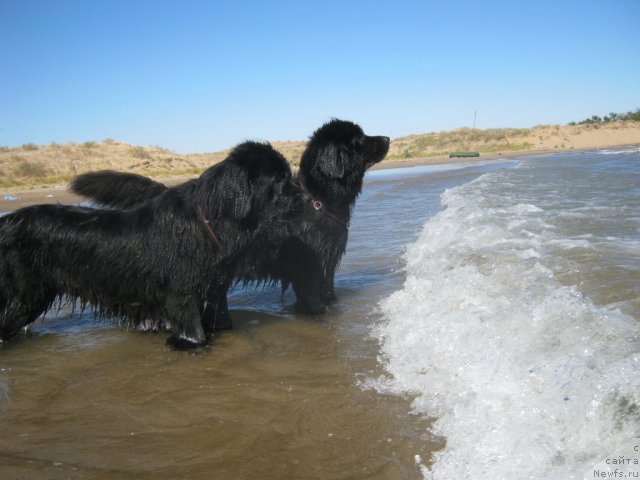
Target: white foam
{"points": [[391, 173], [526, 377], [619, 151]]}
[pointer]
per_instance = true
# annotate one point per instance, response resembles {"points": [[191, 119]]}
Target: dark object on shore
{"points": [[463, 154], [304, 253], [152, 266]]}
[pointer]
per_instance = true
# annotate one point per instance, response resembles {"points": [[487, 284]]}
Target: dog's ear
{"points": [[238, 198], [227, 192], [331, 161]]}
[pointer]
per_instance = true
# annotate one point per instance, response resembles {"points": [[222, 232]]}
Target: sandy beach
{"points": [[16, 197], [35, 174]]}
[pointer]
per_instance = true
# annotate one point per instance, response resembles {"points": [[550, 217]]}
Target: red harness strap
{"points": [[207, 225]]}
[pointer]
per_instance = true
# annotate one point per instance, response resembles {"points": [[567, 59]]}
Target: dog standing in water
{"points": [[304, 253], [157, 263]]}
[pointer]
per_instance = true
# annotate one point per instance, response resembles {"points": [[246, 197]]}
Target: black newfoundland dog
{"points": [[153, 265], [304, 252]]}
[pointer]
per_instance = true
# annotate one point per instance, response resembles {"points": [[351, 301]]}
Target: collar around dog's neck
{"points": [[318, 205]]}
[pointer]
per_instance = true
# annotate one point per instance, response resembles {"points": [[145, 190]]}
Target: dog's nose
{"points": [[383, 141], [384, 144]]}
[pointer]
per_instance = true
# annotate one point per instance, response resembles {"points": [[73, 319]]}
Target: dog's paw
{"points": [[185, 344], [311, 308]]}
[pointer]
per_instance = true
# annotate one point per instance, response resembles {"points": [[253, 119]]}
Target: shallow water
{"points": [[276, 397], [270, 400], [354, 394]]}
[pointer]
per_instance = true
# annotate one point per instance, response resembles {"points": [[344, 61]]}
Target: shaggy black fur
{"points": [[154, 264], [118, 190], [304, 253]]}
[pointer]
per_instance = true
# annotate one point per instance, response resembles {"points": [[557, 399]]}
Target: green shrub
{"points": [[612, 117]]}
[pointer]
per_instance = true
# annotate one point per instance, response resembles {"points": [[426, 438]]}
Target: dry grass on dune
{"points": [[435, 144], [494, 140], [50, 164], [45, 165]]}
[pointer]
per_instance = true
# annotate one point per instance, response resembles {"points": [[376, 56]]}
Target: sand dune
{"points": [[26, 171]]}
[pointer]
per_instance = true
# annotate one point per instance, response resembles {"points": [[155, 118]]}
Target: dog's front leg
{"points": [[186, 323], [216, 314], [307, 286], [301, 267], [328, 290]]}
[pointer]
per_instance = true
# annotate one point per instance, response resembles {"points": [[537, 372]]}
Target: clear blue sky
{"points": [[203, 75]]}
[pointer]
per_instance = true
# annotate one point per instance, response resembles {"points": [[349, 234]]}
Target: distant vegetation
{"points": [[32, 165], [612, 117], [442, 143], [139, 152]]}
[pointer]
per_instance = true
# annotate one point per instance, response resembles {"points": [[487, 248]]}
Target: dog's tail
{"points": [[116, 189]]}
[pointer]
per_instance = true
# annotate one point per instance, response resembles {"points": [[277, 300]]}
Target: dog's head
{"points": [[338, 154], [243, 187]]}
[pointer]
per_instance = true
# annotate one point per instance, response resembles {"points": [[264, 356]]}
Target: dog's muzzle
{"points": [[379, 150]]}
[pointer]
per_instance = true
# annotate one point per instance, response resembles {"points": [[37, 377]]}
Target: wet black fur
{"points": [[153, 264], [304, 252], [118, 190]]}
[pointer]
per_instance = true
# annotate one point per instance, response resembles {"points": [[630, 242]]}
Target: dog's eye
{"points": [[358, 141]]}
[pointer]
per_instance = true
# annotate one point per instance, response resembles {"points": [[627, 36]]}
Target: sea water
{"points": [[516, 326], [486, 327]]}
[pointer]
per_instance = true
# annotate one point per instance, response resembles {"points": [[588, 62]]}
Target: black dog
{"points": [[304, 253], [157, 263]]}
